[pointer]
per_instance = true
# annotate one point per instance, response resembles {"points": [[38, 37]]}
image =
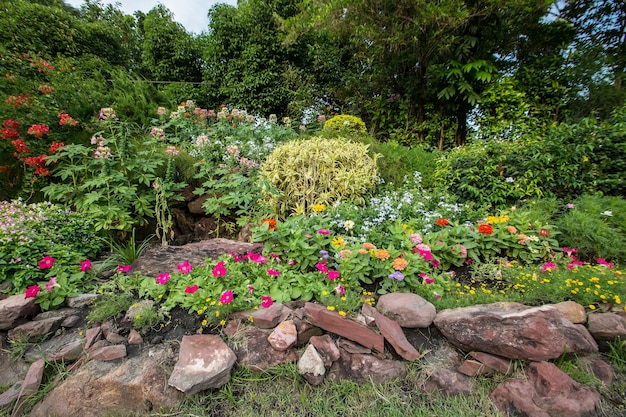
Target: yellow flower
{"points": [[324, 292], [338, 242], [217, 313], [492, 220], [204, 322], [592, 307], [342, 313], [222, 322], [160, 296], [330, 308], [319, 208]]}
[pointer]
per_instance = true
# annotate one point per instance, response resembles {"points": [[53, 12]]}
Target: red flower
{"points": [[191, 288], [45, 89], [266, 301], [271, 223], [11, 124], [442, 222], [32, 291], [38, 130], [42, 172], [9, 133], [55, 147], [66, 119], [485, 229], [46, 262], [36, 161], [20, 146]]}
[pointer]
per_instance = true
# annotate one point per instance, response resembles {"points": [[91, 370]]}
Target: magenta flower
{"points": [[436, 296], [219, 270], [333, 275], [549, 266], [266, 301], [323, 231], [322, 267], [574, 264], [292, 262], [163, 278], [123, 268], [85, 265], [434, 263], [31, 292], [426, 278], [227, 297], [191, 288], [250, 289], [426, 254], [185, 267], [340, 290], [602, 261], [273, 272], [569, 251], [257, 258], [46, 262], [51, 284], [570, 205]]}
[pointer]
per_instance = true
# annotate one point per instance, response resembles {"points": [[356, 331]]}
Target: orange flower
{"points": [[368, 246], [511, 229], [271, 223], [399, 264], [522, 239], [345, 253], [442, 222], [485, 229], [382, 254], [362, 251]]}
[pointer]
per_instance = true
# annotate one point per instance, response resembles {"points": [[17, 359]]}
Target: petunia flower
{"points": [[227, 297], [191, 288], [219, 270], [163, 278], [273, 272], [51, 284], [427, 279], [333, 275], [266, 301], [46, 262], [340, 290], [32, 291], [257, 258], [85, 265], [549, 266]]}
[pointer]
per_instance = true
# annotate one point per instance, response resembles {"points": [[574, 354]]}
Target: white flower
{"points": [[348, 224], [509, 179], [607, 213]]}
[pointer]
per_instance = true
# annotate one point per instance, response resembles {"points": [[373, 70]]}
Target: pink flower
{"points": [[602, 261], [333, 275], [46, 262], [570, 205], [31, 292], [340, 290], [163, 278], [273, 272], [191, 288], [219, 270], [415, 238], [323, 232], [123, 268], [569, 251], [227, 297], [321, 266], [434, 263], [549, 266], [292, 262], [436, 296], [257, 258], [266, 301], [426, 278], [250, 289], [85, 265], [574, 264], [185, 267], [427, 255], [51, 284]]}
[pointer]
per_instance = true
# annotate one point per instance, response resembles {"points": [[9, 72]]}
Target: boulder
{"points": [[108, 353], [36, 329], [362, 369], [254, 351], [15, 309], [394, 335], [447, 381], [204, 361], [514, 331], [268, 318], [572, 311], [327, 349], [607, 326], [311, 366], [407, 309], [283, 336]]}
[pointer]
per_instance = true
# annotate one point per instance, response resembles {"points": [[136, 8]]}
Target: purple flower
{"points": [[397, 276]]}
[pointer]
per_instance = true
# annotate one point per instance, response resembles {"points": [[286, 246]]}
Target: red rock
{"points": [[351, 347], [395, 336], [108, 353], [268, 318], [69, 353], [407, 309], [514, 397], [326, 347], [496, 363], [448, 382], [514, 331], [473, 368], [33, 377], [305, 331], [14, 309], [134, 338], [115, 338], [606, 326], [35, 329], [92, 335], [333, 322], [361, 369], [255, 352], [283, 336], [231, 327], [599, 368]]}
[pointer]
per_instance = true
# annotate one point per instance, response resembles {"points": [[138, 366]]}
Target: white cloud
{"points": [[192, 14]]}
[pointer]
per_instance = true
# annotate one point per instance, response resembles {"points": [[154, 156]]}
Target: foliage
{"points": [[109, 306], [345, 125], [113, 180], [609, 156], [28, 233], [318, 172]]}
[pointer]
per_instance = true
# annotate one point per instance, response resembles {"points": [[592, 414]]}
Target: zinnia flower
{"points": [[348, 225], [163, 278], [485, 229], [266, 301], [399, 264], [398, 276], [549, 266], [85, 265], [442, 222], [123, 268], [191, 288], [32, 291], [322, 266], [382, 254], [227, 297], [543, 232], [271, 223], [219, 270], [46, 262], [511, 229], [416, 238], [368, 246], [323, 232], [184, 267], [333, 275], [273, 272]]}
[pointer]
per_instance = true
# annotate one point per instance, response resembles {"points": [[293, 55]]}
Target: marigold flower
{"points": [[319, 208], [485, 229], [442, 222], [227, 297], [399, 264], [271, 223], [382, 254]]}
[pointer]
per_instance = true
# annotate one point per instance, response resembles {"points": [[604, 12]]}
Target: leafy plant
{"points": [[345, 124], [109, 306]]}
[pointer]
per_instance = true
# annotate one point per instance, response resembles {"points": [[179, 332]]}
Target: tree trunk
{"points": [[461, 127]]}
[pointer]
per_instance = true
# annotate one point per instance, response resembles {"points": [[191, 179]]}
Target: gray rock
{"points": [[607, 326], [362, 369], [16, 308], [447, 382], [311, 366], [407, 309], [81, 300], [36, 329]]}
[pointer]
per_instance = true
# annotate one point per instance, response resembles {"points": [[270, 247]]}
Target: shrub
{"points": [[312, 173], [345, 124]]}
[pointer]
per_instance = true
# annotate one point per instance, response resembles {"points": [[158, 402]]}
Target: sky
{"points": [[192, 14]]}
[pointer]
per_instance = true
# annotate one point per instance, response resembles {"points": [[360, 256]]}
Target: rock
{"points": [[351, 347], [33, 378], [204, 361], [394, 335], [231, 327], [448, 382], [333, 322], [407, 309], [472, 368], [92, 335], [82, 300], [67, 347], [311, 366], [254, 351], [68, 353], [10, 395], [36, 329], [70, 322], [283, 336], [108, 353], [11, 371], [159, 259], [115, 338], [599, 368], [493, 362], [268, 318], [15, 309], [327, 349], [514, 331], [134, 338], [136, 386], [361, 369], [195, 206], [572, 311], [305, 331], [607, 326], [547, 391]]}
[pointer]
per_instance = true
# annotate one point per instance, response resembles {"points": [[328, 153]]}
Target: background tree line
{"points": [[417, 71]]}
